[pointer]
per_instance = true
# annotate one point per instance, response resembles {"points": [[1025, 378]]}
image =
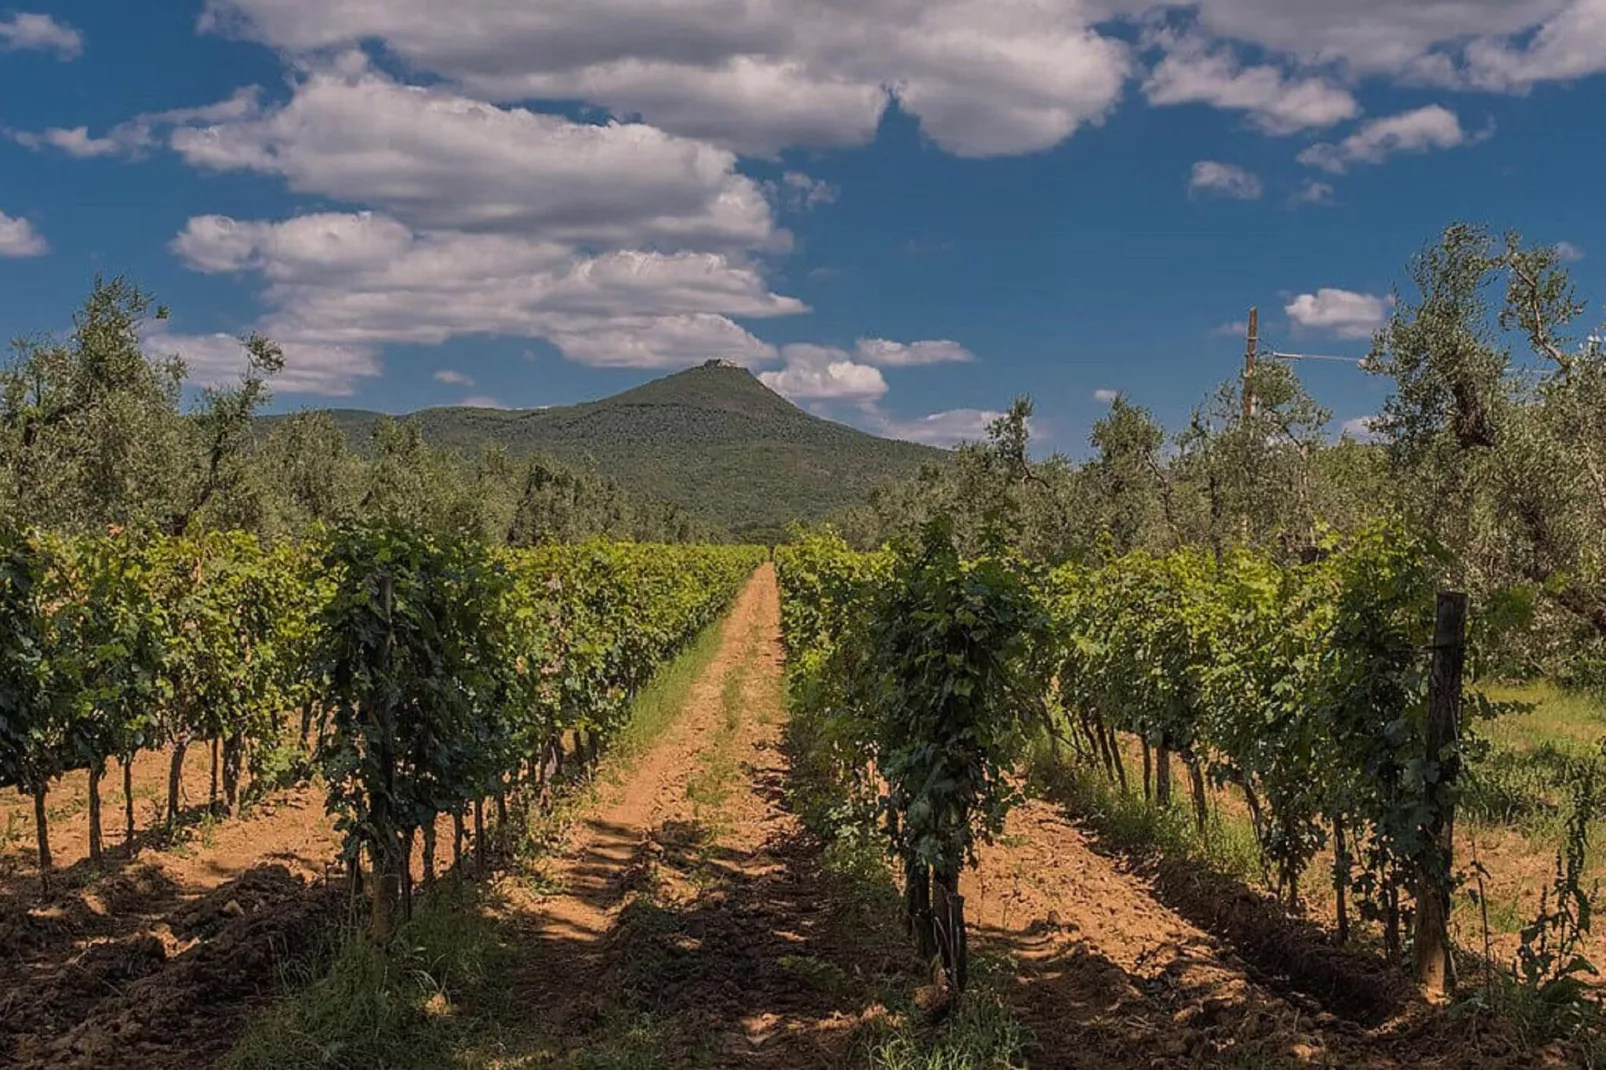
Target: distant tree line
{"points": [[1492, 445], [95, 433]]}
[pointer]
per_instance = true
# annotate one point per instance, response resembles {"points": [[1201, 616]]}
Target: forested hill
{"points": [[712, 439]]}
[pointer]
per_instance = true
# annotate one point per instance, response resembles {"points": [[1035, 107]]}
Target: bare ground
{"points": [[688, 920]]}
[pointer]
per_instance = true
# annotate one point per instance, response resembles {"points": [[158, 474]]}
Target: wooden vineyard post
{"points": [[1435, 961]]}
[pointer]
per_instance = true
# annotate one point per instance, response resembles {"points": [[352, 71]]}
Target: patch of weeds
{"points": [[393, 1006], [822, 976], [982, 1034], [1136, 825]]}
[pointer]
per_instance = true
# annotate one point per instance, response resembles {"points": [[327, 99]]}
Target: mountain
{"points": [[712, 439]]}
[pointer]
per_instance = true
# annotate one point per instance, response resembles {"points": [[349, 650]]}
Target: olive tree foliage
{"points": [[93, 430], [1251, 469], [1496, 430]]}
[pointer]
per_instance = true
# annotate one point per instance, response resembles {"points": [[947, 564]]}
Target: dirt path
{"points": [[690, 918]]}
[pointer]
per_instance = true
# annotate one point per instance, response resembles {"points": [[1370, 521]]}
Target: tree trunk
{"points": [[97, 770], [175, 778], [948, 914], [1341, 872], [1115, 758], [429, 854], [211, 796], [42, 829], [128, 804], [1162, 776], [1391, 922], [1435, 957], [1201, 804], [233, 765], [386, 891], [479, 836], [457, 843], [1148, 770], [501, 820], [407, 875], [917, 908]]}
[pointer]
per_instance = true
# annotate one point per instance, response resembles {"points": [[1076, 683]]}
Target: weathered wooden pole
{"points": [[1435, 960]]}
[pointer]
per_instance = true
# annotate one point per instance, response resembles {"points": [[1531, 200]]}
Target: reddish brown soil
{"points": [[688, 897], [688, 894], [153, 961]]}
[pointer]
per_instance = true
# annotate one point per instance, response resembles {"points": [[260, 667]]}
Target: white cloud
{"points": [[797, 192], [1361, 429], [1568, 252], [1432, 127], [1314, 192], [1234, 329], [216, 359], [18, 238], [1106, 397], [1341, 312], [436, 159], [947, 428], [1197, 72], [451, 378], [32, 31], [888, 354], [362, 280], [140, 134], [481, 401], [983, 78], [1226, 180], [824, 373]]}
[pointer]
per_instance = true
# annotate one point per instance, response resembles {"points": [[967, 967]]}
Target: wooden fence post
{"points": [[1435, 961]]}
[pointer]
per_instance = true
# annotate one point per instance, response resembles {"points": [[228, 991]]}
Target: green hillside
{"points": [[712, 439]]}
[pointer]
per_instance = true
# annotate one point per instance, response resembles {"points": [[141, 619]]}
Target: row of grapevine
{"points": [[1304, 687], [440, 668], [921, 665]]}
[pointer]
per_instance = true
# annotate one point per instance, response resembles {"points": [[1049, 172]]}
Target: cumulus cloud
{"points": [[25, 30], [947, 428], [1568, 252], [1340, 312], [1106, 397], [982, 78], [18, 238], [1313, 192], [888, 354], [434, 158], [824, 373], [481, 401], [309, 368], [139, 135], [1226, 180], [797, 192], [363, 279], [1432, 127], [451, 378], [1361, 429], [1232, 329], [1197, 72]]}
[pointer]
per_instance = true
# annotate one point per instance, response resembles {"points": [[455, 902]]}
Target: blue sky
{"points": [[899, 213]]}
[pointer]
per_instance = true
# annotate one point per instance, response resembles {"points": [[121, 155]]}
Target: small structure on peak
{"points": [[722, 364]]}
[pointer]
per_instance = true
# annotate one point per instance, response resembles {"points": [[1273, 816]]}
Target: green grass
{"points": [[1517, 782], [375, 1006], [659, 703], [1136, 825]]}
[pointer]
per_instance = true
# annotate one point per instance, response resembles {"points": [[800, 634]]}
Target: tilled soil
{"points": [[689, 907]]}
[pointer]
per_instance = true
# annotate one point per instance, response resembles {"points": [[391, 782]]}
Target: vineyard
{"points": [[420, 677], [1237, 746]]}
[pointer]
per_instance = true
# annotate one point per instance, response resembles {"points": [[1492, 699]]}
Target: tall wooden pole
{"points": [[1251, 346], [1435, 961]]}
